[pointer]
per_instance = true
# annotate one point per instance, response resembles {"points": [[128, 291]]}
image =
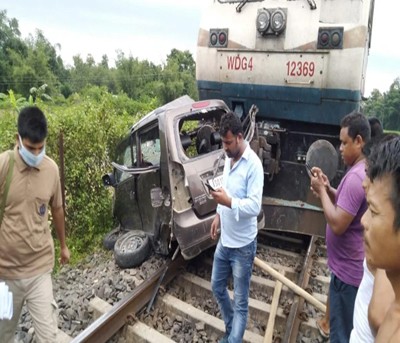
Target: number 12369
{"points": [[300, 68]]}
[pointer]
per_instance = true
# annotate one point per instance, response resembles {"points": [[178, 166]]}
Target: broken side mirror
{"points": [[108, 180]]}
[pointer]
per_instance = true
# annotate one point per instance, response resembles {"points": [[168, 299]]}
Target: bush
{"points": [[8, 128], [91, 125]]}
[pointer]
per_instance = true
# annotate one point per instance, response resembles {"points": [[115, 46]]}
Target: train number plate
{"points": [[273, 69]]}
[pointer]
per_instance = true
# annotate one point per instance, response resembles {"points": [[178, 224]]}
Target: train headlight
{"points": [[263, 20], [278, 21], [271, 21]]}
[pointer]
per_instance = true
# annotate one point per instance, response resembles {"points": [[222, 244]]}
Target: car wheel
{"points": [[131, 249], [111, 237]]}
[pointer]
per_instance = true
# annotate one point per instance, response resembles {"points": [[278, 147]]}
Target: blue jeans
{"points": [[238, 263], [341, 307]]}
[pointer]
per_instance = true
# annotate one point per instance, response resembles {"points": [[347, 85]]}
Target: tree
{"points": [[373, 107], [39, 67], [133, 76], [10, 45], [33, 62], [385, 106], [104, 61], [27, 63], [391, 112], [178, 77], [183, 59], [79, 74]]}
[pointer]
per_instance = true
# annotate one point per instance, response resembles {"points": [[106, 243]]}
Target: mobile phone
{"points": [[211, 188], [309, 169]]}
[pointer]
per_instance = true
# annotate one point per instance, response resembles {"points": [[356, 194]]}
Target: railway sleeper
{"points": [[319, 283], [259, 311], [190, 298], [136, 333], [212, 325], [200, 288], [290, 273]]}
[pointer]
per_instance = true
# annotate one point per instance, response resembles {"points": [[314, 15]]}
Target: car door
{"points": [[149, 190], [126, 208], [151, 201]]}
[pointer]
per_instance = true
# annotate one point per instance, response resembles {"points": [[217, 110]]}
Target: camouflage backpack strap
{"points": [[7, 185]]}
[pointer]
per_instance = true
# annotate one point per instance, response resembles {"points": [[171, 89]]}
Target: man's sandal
{"points": [[321, 331]]}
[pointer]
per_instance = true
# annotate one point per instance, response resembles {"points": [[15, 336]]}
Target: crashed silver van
{"points": [[161, 201]]}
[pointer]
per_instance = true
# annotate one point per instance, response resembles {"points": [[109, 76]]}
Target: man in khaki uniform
{"points": [[26, 244]]}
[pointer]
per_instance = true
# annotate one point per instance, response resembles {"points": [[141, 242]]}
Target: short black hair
{"points": [[32, 124], [357, 124], [230, 122], [376, 140], [376, 127], [384, 160]]}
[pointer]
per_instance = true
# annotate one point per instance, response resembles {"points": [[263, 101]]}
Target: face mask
{"points": [[29, 158]]}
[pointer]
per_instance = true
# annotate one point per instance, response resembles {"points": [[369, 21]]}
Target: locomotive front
{"points": [[303, 64]]}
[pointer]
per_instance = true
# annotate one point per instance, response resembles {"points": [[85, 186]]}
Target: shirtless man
{"points": [[382, 227]]}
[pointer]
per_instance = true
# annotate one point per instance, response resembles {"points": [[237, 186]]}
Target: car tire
{"points": [[111, 237], [131, 249]]}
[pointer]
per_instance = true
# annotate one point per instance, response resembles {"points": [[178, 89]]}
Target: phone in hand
{"points": [[309, 168], [211, 188]]}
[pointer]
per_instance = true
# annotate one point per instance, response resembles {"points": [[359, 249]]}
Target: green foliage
{"points": [[178, 77], [30, 63], [134, 76], [39, 67], [183, 59], [8, 128], [385, 106], [10, 42], [39, 93], [90, 105], [90, 127], [373, 106], [12, 101], [86, 73]]}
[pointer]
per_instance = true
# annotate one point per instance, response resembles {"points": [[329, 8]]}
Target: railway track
{"points": [[176, 303]]}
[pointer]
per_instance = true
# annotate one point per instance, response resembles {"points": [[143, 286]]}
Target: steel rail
{"points": [[109, 323]]}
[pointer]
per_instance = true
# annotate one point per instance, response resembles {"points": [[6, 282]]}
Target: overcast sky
{"points": [[149, 29]]}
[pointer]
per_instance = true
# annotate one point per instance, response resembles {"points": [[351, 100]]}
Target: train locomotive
{"points": [[302, 65], [291, 69]]}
